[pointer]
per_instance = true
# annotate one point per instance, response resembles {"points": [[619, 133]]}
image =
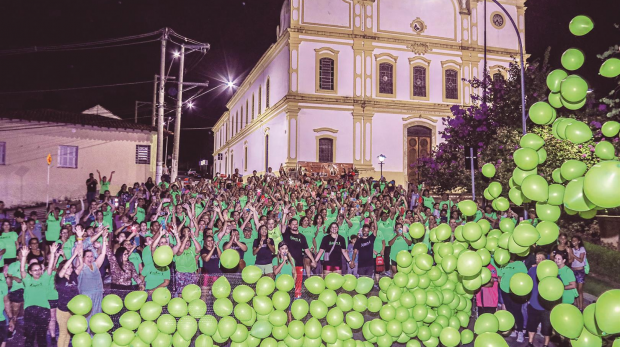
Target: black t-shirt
{"points": [[335, 257], [67, 289], [91, 185], [264, 255], [296, 245], [213, 265], [364, 248], [236, 248]]}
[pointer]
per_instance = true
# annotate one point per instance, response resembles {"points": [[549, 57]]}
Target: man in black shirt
{"points": [[297, 245], [363, 251], [91, 187]]}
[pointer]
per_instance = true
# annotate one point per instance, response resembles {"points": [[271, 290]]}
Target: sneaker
{"points": [[11, 334], [513, 333], [520, 336]]}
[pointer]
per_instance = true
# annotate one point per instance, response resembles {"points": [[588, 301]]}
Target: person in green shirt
{"points": [[567, 276], [104, 183], [284, 264], [10, 244], [36, 306], [400, 242], [427, 200], [512, 302], [4, 291], [186, 260]]}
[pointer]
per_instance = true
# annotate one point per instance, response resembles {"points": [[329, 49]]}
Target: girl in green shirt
{"points": [[186, 259], [36, 306]]}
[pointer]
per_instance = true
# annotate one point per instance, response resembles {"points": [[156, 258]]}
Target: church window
{"points": [[326, 150], [241, 124], [247, 112], [260, 92], [386, 78], [267, 89], [452, 87], [498, 77], [326, 74], [419, 81], [252, 106]]}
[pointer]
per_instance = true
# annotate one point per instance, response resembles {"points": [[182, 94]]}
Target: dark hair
{"points": [[563, 254], [353, 238], [580, 241], [329, 229], [120, 251]]}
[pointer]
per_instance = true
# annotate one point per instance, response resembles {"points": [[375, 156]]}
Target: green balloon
{"points": [[551, 288], [241, 334], [505, 319], [100, 323], [334, 281], [600, 185], [365, 284], [187, 327], [576, 200], [355, 320], [197, 308], [546, 268], [81, 340], [277, 318], [243, 312], [226, 327], [560, 126], [162, 340], [135, 300], [269, 342], [502, 204], [122, 336], [425, 261], [167, 324], [300, 309], [350, 282], [262, 304], [469, 263], [488, 170], [150, 311], [80, 305], [578, 132], [487, 195], [312, 329], [278, 333], [208, 325], [557, 176], [251, 274], [281, 300], [611, 128], [77, 324], [328, 297], [191, 292], [468, 207], [335, 317], [204, 341], [221, 287], [147, 331], [243, 294], [519, 175], [605, 150], [516, 196], [163, 256], [526, 159], [162, 296], [587, 339], [535, 188], [318, 309], [541, 113], [378, 327], [261, 329], [610, 69], [111, 304], [567, 320], [532, 141], [542, 155], [102, 340], [374, 304], [548, 212], [555, 100], [416, 230], [394, 328], [315, 285], [450, 337], [574, 88], [177, 307], [179, 341], [580, 25], [266, 285], [572, 169], [555, 78], [490, 340], [556, 194], [495, 189], [572, 59], [344, 302], [589, 320], [573, 105], [607, 311], [229, 259]]}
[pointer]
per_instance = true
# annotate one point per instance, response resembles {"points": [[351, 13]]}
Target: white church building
{"points": [[348, 80]]}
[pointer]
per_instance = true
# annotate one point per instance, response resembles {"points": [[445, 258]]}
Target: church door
{"points": [[419, 140]]}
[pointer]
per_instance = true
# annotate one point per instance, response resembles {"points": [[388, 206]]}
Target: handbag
{"points": [[586, 268], [327, 254]]}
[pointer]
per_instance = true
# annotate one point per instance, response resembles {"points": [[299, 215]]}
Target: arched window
{"points": [[241, 124], [267, 89], [452, 86], [326, 150], [252, 106], [419, 81], [326, 74], [386, 78], [260, 99], [237, 123], [247, 112], [245, 163], [266, 152], [498, 77]]}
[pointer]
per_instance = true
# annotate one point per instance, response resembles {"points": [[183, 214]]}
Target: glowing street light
{"points": [[176, 54], [190, 105], [381, 158], [230, 84]]}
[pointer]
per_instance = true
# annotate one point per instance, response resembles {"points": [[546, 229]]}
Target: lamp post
{"points": [[381, 158]]}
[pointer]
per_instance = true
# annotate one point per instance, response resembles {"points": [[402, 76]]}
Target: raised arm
{"points": [[22, 265], [111, 174], [52, 258], [104, 250]]}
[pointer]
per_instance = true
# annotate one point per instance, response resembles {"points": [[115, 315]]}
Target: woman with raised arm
{"points": [[67, 288], [89, 279], [36, 306]]}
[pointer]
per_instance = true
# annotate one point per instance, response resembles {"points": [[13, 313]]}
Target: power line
{"points": [[75, 88]]}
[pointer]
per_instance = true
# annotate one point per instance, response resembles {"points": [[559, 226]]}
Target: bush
{"points": [[604, 262]]}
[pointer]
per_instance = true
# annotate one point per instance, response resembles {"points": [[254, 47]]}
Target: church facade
{"points": [[349, 80]]}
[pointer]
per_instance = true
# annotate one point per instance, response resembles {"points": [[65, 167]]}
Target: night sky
{"points": [[239, 32]]}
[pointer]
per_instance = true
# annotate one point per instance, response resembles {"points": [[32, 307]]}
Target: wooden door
{"points": [[419, 145]]}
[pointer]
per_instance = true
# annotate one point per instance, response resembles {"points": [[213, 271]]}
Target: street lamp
{"points": [[230, 84], [381, 158]]}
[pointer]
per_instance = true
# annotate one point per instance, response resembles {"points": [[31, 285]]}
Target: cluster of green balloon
{"points": [[586, 329], [143, 324]]}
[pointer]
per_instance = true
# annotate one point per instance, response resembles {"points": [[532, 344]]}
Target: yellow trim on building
{"points": [[325, 52], [334, 139]]}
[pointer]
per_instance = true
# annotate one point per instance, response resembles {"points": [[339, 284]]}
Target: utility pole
{"points": [[160, 108], [153, 116], [177, 122]]}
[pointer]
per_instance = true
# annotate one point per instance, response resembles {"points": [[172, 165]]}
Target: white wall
{"points": [[23, 179], [308, 69], [440, 16], [310, 119]]}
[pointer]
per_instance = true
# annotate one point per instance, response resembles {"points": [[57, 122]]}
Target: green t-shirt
{"points": [[104, 186], [386, 229], [135, 259], [275, 235], [428, 202], [155, 276], [4, 291], [52, 294], [507, 272], [9, 243], [378, 246], [186, 262], [343, 230], [567, 276], [447, 202], [478, 216], [243, 200], [399, 245], [147, 257], [286, 269], [309, 233], [248, 256], [36, 291], [2, 246], [356, 225], [53, 227], [15, 272], [140, 214]]}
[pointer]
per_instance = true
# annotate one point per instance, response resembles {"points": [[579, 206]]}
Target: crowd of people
{"points": [[291, 223]]}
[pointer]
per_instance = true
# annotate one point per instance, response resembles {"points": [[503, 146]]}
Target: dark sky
{"points": [[239, 32]]}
